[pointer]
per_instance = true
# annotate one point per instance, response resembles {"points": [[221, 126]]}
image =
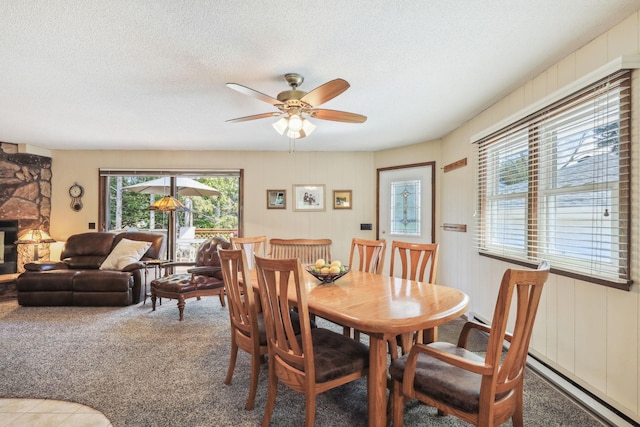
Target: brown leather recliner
{"points": [[206, 266], [78, 280]]}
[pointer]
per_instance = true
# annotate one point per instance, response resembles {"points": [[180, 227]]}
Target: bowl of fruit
{"points": [[327, 272]]}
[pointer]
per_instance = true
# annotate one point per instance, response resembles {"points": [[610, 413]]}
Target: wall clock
{"points": [[76, 192]]}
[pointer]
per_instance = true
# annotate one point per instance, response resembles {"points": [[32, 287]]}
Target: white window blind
{"points": [[555, 186]]}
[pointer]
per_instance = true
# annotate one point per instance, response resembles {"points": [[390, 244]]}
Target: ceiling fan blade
{"points": [[325, 92], [254, 93], [255, 116], [337, 116]]}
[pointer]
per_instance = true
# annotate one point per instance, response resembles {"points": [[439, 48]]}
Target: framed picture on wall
{"points": [[276, 199], [308, 197], [342, 199]]}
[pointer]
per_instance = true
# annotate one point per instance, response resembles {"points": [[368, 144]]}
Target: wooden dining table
{"points": [[382, 307]]}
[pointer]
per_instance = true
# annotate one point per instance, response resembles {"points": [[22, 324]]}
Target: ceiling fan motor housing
{"points": [[291, 95], [294, 80]]}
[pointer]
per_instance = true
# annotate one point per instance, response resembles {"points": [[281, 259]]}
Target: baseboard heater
{"points": [[590, 402]]}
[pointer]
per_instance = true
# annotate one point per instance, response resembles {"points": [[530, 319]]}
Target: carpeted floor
{"points": [[144, 368]]}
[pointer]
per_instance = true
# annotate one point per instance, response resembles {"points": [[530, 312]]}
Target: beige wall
{"points": [[588, 332], [262, 171]]}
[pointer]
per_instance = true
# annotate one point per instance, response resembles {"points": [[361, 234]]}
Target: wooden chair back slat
{"points": [[306, 250], [250, 246], [369, 253], [241, 300], [416, 260]]}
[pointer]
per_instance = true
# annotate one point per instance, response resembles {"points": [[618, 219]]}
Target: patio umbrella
{"points": [[186, 187]]}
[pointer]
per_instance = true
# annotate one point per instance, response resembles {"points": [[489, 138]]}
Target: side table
{"points": [[157, 266]]}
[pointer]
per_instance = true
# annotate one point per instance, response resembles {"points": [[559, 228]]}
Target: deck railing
{"points": [[205, 233], [186, 249]]}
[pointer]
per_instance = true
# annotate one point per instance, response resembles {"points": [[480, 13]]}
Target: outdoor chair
{"points": [[481, 390]]}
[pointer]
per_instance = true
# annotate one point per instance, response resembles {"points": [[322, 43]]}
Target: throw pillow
{"points": [[126, 252]]}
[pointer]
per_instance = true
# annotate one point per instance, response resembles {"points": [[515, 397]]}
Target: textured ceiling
{"points": [[134, 74]]}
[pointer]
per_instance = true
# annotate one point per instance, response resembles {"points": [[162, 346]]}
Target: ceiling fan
{"points": [[297, 106]]}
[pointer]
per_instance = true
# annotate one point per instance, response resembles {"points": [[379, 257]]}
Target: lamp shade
{"points": [[167, 203], [34, 236]]}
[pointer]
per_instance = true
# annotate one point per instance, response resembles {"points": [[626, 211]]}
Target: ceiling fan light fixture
{"points": [[295, 126], [281, 125], [295, 123], [294, 134], [307, 127]]}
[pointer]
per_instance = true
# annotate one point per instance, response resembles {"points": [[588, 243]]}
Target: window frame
{"points": [[533, 223], [103, 192]]}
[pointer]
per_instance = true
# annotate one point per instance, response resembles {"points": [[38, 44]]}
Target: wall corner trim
{"points": [[33, 149]]}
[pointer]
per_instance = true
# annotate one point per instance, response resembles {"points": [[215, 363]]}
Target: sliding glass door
{"points": [[207, 204]]}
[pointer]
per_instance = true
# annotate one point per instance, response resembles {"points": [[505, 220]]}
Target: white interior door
{"points": [[405, 205]]}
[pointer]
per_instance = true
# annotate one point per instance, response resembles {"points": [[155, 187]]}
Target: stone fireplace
{"points": [[25, 196]]}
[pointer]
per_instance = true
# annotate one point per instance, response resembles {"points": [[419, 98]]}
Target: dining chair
{"points": [[312, 362], [367, 256], [250, 245], [306, 250], [246, 333], [481, 390], [418, 261]]}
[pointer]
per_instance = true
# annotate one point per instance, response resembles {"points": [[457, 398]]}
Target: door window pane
{"points": [[405, 208]]}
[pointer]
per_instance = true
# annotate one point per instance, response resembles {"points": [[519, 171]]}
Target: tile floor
{"points": [[48, 413]]}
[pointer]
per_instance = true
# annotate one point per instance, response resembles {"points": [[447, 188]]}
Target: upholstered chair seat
{"points": [[443, 381], [334, 356]]}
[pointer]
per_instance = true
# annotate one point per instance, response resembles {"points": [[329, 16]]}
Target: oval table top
{"points": [[375, 303]]}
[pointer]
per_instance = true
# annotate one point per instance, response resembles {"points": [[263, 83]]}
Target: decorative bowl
{"points": [[327, 277]]}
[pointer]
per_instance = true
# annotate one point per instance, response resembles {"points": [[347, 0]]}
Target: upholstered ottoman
{"points": [[183, 286]]}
